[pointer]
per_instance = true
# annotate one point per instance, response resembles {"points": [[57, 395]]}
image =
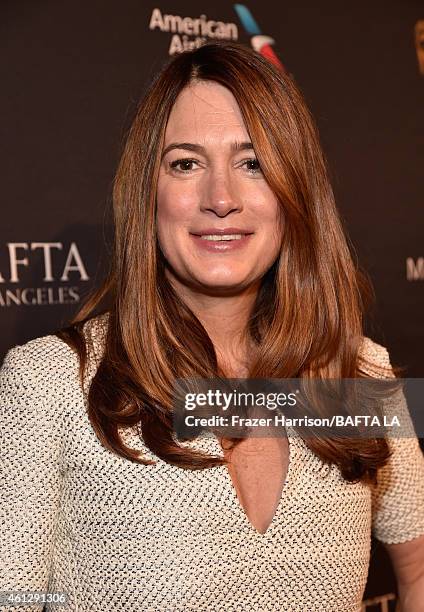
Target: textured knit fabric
{"points": [[117, 536]]}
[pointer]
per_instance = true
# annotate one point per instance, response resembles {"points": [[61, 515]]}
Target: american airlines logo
{"points": [[191, 32], [260, 42]]}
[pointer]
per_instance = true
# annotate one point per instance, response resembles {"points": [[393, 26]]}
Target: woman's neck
{"points": [[225, 319]]}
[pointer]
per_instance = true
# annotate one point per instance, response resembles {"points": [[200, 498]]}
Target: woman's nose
{"points": [[219, 195]]}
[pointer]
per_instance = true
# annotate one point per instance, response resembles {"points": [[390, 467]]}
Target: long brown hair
{"points": [[307, 319]]}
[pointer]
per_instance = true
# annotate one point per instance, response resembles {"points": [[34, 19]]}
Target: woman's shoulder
{"points": [[38, 357], [374, 359], [39, 385], [49, 356]]}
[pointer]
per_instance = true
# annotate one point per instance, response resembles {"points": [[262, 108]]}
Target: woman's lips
{"points": [[240, 241]]}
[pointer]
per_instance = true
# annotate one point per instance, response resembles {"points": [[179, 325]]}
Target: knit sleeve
{"points": [[398, 496], [30, 476]]}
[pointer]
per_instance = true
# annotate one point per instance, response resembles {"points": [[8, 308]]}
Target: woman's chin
{"points": [[223, 286]]}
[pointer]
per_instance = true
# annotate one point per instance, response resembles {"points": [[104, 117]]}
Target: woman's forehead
{"points": [[203, 107]]}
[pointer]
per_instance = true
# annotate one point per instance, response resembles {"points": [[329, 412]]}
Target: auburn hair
{"points": [[308, 316]]}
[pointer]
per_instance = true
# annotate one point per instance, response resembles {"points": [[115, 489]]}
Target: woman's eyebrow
{"points": [[189, 146]]}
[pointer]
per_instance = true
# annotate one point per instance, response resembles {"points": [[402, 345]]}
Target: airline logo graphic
{"points": [[260, 42], [192, 32]]}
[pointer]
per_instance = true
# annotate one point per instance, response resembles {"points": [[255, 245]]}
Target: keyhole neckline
{"points": [[234, 499]]}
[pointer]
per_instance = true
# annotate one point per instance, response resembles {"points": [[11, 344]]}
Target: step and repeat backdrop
{"points": [[72, 73]]}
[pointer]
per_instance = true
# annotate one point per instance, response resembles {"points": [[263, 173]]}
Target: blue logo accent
{"points": [[247, 19], [260, 42]]}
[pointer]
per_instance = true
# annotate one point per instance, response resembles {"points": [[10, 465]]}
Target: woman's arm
{"points": [[408, 563], [398, 497], [31, 438]]}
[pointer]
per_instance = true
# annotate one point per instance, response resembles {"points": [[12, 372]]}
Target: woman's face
{"points": [[217, 218]]}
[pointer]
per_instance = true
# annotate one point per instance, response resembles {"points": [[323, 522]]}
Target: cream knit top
{"points": [[120, 536]]}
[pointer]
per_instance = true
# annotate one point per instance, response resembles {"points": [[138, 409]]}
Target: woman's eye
{"points": [[182, 165], [252, 165], [185, 166]]}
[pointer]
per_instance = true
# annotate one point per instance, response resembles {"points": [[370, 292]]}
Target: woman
{"points": [[229, 260]]}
